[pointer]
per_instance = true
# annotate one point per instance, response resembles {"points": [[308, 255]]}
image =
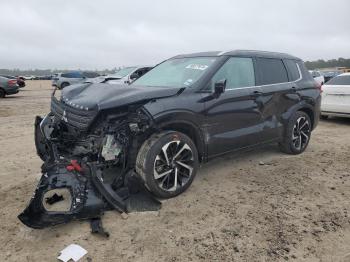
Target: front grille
{"points": [[80, 119]]}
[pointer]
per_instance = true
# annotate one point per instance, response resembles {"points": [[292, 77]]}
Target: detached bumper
{"points": [[86, 202]]}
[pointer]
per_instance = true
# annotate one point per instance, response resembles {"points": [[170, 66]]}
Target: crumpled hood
{"points": [[103, 96]]}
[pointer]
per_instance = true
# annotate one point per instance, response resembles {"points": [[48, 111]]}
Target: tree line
{"points": [[340, 62]]}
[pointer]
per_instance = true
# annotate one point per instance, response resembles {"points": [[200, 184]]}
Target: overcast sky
{"points": [[104, 34]]}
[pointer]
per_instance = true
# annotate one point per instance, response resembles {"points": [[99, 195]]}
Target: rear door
{"points": [[336, 95], [278, 95]]}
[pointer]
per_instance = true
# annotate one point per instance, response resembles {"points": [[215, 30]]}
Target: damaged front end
{"points": [[91, 155]]}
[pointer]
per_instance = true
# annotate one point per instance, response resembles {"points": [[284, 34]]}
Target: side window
{"points": [[90, 74], [271, 71], [340, 80], [238, 72], [72, 75], [293, 70]]}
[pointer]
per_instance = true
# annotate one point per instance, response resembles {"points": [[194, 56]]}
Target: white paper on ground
{"points": [[73, 251]]}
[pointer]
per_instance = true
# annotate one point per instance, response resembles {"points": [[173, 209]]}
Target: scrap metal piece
{"points": [[140, 199], [54, 199], [97, 228]]}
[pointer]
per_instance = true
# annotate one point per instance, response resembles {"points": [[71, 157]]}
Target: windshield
{"points": [[123, 72], [177, 72]]}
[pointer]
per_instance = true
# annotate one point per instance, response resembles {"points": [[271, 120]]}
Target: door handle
{"points": [[257, 93], [294, 89]]}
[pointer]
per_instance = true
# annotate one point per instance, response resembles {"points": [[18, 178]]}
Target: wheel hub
{"points": [[173, 166], [301, 133]]}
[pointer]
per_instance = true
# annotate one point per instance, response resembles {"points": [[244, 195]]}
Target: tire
{"points": [[2, 93], [158, 163], [297, 134], [64, 84]]}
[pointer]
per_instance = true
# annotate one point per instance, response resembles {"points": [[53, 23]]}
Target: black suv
{"points": [[186, 110]]}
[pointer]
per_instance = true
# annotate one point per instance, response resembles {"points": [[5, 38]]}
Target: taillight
{"points": [[12, 82], [319, 87]]}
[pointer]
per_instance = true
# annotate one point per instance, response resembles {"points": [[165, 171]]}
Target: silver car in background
{"points": [[8, 86], [317, 76], [65, 79], [126, 75]]}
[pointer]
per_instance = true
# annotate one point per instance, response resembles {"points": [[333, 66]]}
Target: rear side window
{"points": [[340, 80], [90, 74], [238, 72], [293, 71], [271, 71], [72, 75]]}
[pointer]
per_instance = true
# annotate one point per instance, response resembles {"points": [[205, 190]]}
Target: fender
{"points": [[301, 105]]}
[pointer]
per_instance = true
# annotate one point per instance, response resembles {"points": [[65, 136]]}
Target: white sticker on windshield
{"points": [[197, 67], [188, 82]]}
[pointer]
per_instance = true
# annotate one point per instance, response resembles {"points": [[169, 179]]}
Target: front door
{"points": [[233, 118]]}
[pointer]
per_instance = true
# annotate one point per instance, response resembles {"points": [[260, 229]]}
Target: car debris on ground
{"points": [[72, 252]]}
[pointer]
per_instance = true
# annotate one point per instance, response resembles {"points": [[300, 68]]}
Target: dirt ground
{"points": [[260, 205]]}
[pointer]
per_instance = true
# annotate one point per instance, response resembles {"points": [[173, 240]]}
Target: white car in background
{"points": [[336, 97], [127, 75], [318, 77]]}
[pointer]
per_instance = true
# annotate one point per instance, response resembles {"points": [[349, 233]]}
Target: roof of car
{"points": [[257, 53]]}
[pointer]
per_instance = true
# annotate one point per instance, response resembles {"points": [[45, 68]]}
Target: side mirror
{"points": [[220, 86], [134, 76]]}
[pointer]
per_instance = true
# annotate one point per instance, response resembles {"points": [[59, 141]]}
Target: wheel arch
{"points": [[63, 83], [304, 107], [189, 129], [310, 112]]}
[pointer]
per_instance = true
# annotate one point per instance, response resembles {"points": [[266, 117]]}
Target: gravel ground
{"points": [[260, 205]]}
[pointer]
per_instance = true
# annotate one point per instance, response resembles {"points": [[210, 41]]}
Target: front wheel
{"points": [[168, 163], [297, 134]]}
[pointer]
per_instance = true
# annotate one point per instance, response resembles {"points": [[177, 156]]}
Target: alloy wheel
{"points": [[301, 133], [173, 166]]}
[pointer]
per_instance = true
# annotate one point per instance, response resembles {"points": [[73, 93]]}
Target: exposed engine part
{"points": [[95, 165], [111, 149]]}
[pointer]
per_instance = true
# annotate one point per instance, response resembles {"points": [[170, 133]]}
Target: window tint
{"points": [[238, 72], [72, 75], [292, 68], [90, 74], [272, 71], [339, 80]]}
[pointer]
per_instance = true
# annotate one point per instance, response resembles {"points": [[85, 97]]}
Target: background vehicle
{"points": [[28, 77], [336, 97], [319, 78], [65, 79], [8, 86], [186, 110], [329, 74], [126, 75], [20, 80]]}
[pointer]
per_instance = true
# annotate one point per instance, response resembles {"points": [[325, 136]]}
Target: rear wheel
{"points": [[168, 163], [2, 93], [297, 134]]}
